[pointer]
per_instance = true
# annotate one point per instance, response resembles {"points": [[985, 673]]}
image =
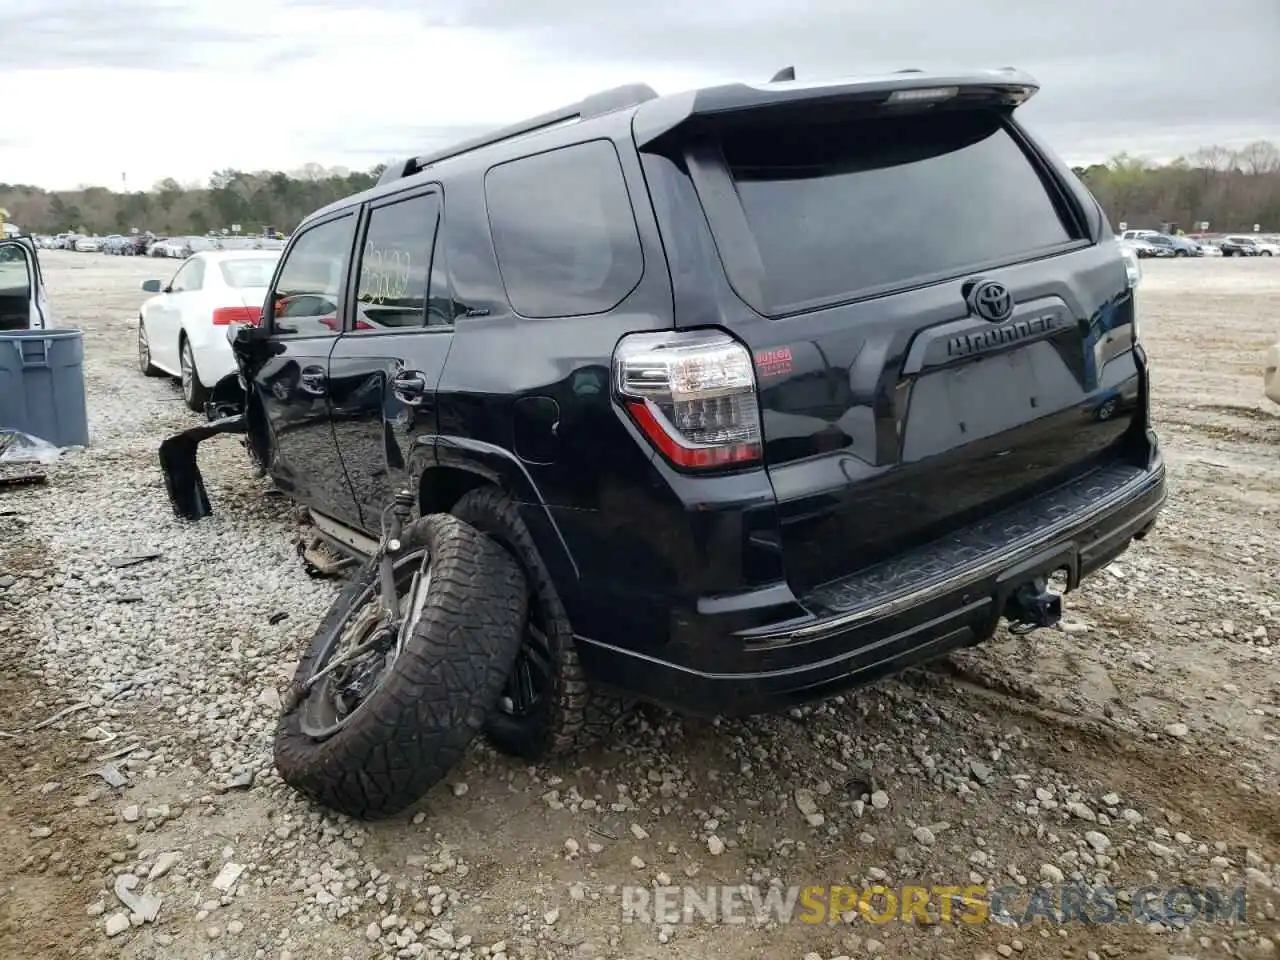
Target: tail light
{"points": [[1133, 277], [247, 316], [693, 395]]}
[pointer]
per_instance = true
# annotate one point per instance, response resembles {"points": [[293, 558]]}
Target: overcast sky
{"points": [[94, 89]]}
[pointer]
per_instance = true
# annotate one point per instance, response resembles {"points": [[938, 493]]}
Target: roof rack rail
{"points": [[596, 105]]}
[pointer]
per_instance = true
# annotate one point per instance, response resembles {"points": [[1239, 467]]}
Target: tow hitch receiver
{"points": [[1032, 606]]}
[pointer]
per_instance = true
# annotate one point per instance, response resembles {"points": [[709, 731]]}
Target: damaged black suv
{"points": [[723, 400]]}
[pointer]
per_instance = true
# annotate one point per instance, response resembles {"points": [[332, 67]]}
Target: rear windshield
{"points": [[839, 211], [254, 272]]}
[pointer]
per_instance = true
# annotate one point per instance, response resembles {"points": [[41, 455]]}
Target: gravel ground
{"points": [[1136, 745]]}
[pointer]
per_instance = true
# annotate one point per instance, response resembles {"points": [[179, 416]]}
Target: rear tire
{"points": [[144, 354], [433, 699], [194, 393], [570, 715]]}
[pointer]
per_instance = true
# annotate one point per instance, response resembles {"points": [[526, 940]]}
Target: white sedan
{"points": [[182, 331]]}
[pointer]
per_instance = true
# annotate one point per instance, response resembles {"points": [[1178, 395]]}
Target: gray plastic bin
{"points": [[42, 385]]}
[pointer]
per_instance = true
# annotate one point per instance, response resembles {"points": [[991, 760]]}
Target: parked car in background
{"points": [[182, 330], [1180, 246], [1266, 247], [1238, 247], [174, 248], [87, 245], [23, 302], [1210, 248], [1145, 249]]}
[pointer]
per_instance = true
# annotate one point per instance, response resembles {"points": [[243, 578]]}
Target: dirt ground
{"points": [[1138, 745]]}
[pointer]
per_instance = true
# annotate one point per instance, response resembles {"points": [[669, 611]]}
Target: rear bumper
{"points": [[729, 658], [214, 358]]}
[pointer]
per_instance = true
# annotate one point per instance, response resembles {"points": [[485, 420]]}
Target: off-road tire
{"points": [[437, 694], [575, 715]]}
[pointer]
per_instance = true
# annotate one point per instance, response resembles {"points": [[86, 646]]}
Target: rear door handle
{"points": [[313, 381], [410, 386]]}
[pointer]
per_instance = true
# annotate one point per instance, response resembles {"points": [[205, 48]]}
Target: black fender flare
{"points": [[182, 478], [500, 467]]}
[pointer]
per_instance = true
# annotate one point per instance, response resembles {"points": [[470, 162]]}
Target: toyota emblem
{"points": [[991, 301]]}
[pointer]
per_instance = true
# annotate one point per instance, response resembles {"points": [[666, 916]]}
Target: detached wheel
{"points": [[144, 354], [194, 393], [546, 706], [375, 733]]}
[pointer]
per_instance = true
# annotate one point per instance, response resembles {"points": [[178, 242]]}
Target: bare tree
{"points": [[1259, 158]]}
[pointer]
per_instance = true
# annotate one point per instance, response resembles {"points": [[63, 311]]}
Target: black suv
{"points": [[767, 390]]}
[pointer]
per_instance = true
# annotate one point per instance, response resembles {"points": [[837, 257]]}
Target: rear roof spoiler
{"points": [[661, 117]]}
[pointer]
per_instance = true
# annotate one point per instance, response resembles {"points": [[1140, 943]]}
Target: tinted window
{"points": [[870, 204], [254, 272], [395, 264], [564, 231], [308, 291]]}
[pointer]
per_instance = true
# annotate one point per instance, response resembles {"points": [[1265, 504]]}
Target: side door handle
{"points": [[313, 381], [410, 386]]}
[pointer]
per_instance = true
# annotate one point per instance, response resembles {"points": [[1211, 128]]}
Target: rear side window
{"points": [[839, 211], [247, 273], [395, 265], [564, 231]]}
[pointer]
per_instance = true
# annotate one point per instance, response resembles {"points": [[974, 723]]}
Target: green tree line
{"points": [[255, 201], [1231, 189]]}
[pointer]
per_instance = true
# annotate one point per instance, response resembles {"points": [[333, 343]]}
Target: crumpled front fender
{"points": [[182, 477]]}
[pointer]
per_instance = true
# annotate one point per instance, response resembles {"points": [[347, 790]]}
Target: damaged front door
{"points": [[288, 379]]}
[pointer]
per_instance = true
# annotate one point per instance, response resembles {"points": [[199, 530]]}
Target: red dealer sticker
{"points": [[773, 363]]}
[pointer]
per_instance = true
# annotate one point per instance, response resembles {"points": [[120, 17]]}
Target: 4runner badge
{"points": [[991, 301]]}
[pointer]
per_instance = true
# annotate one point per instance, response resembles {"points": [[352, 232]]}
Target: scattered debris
{"points": [[117, 754], [243, 780], [146, 906], [608, 830], [133, 561], [19, 447], [228, 876], [65, 712], [164, 863], [112, 775], [27, 479], [117, 923], [322, 561]]}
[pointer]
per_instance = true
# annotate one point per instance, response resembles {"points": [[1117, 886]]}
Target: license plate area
{"points": [[961, 405]]}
